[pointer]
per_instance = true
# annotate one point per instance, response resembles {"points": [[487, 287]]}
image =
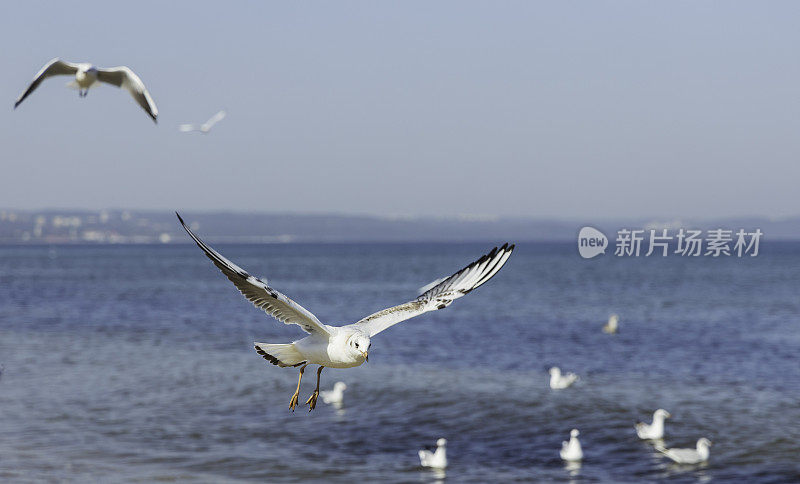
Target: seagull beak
{"points": [[366, 356]]}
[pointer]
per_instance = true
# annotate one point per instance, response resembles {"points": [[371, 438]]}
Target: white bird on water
{"points": [[612, 324], [344, 346], [205, 127], [559, 381], [572, 451], [689, 456], [87, 75], [335, 396], [437, 459], [655, 430]]}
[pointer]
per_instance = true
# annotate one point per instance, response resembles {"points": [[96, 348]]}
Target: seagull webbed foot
{"points": [[293, 401], [312, 400]]}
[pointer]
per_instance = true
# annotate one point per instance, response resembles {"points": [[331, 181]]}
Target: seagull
{"points": [[343, 346], [571, 451], [86, 75], [335, 396], [655, 430], [205, 127], [437, 459], [611, 325], [688, 456], [559, 381]]}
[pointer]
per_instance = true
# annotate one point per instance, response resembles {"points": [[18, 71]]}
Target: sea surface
{"points": [[135, 364]]}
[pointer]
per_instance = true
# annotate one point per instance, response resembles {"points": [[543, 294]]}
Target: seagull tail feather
{"points": [[282, 355]]}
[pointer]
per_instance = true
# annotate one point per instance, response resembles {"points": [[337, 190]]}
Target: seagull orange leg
{"points": [[293, 401], [312, 400]]}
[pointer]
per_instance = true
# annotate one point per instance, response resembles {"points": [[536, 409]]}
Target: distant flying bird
{"points": [[335, 396], [612, 324], [343, 346], [688, 456], [86, 75], [559, 381], [655, 430], [436, 459], [205, 127], [572, 451]]}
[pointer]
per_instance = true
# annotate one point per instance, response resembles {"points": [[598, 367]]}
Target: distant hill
{"points": [[132, 226]]}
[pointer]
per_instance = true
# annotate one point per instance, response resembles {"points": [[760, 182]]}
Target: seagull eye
{"points": [[356, 345]]}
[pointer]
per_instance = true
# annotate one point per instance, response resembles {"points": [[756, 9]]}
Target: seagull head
{"points": [[359, 345], [662, 413], [91, 71], [441, 442]]}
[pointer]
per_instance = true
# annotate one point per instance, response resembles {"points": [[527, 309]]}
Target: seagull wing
{"points": [[127, 79], [259, 293], [213, 120], [442, 294], [55, 67], [686, 456]]}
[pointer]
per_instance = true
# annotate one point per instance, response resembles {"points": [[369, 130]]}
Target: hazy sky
{"points": [[545, 109]]}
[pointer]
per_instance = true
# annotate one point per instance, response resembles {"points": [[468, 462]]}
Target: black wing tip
{"points": [[507, 247], [180, 218]]}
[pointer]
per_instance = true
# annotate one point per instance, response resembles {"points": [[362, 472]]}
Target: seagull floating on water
{"points": [[655, 430], [571, 451], [437, 459], [86, 75], [335, 396], [343, 346], [688, 456], [612, 324], [205, 127], [559, 381]]}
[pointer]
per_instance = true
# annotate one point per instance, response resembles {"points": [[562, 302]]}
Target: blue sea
{"points": [[135, 364]]}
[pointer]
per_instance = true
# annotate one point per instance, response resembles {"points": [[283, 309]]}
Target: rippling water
{"points": [[136, 364]]}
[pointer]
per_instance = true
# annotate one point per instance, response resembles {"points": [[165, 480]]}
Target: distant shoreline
{"points": [[155, 227]]}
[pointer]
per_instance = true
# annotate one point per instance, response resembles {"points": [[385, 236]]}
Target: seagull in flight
{"points": [[343, 346], [205, 127], [87, 75]]}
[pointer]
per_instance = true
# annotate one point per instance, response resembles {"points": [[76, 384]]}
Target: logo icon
{"points": [[591, 242]]}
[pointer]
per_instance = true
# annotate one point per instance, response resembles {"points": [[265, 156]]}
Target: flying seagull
{"points": [[343, 346], [205, 127], [86, 75]]}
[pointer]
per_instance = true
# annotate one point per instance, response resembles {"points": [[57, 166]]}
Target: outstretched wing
{"points": [[259, 293], [127, 79], [440, 295], [56, 67], [213, 120]]}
